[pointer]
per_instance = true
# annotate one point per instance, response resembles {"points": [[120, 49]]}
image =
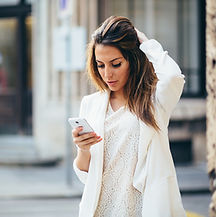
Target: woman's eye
{"points": [[100, 66], [116, 65]]}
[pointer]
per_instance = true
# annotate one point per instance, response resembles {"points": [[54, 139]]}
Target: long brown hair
{"points": [[140, 88]]}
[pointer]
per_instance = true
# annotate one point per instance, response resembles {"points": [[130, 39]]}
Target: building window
{"points": [[15, 68]]}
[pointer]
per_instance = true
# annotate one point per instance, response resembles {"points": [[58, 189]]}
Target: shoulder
{"points": [[93, 103], [95, 96]]}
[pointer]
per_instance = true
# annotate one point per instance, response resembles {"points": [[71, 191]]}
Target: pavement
{"points": [[193, 178], [24, 177], [37, 182], [26, 174]]}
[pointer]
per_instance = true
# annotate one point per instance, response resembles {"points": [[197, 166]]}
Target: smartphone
{"points": [[81, 122]]}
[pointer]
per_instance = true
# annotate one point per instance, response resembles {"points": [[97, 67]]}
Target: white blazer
{"points": [[155, 175]]}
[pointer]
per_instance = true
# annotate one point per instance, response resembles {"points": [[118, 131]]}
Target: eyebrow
{"points": [[110, 60]]}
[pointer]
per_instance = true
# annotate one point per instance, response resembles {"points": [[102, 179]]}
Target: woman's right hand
{"points": [[85, 141]]}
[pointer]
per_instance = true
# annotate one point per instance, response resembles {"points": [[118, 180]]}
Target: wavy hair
{"points": [[139, 90]]}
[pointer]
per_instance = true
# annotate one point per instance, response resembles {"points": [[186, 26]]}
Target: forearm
{"points": [[171, 80], [83, 160]]}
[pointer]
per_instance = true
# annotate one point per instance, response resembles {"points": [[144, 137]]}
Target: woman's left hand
{"points": [[141, 36]]}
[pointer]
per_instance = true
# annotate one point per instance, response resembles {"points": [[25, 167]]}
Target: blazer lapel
{"points": [[100, 113], [146, 135], [99, 119]]}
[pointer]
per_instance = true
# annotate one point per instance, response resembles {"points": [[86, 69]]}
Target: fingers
{"points": [[85, 136], [86, 145], [76, 131], [90, 141], [141, 36], [86, 140]]}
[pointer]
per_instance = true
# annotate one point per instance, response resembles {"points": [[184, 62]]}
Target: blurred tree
{"points": [[211, 98]]}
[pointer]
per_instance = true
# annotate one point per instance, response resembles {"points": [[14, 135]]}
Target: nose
{"points": [[108, 72]]}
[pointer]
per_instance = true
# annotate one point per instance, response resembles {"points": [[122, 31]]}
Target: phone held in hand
{"points": [[81, 122]]}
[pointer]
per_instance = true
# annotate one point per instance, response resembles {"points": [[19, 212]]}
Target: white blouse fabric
{"points": [[118, 197]]}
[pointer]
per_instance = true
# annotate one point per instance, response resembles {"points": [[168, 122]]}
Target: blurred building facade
{"points": [[211, 103], [178, 25]]}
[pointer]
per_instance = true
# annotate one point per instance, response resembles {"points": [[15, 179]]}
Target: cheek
{"points": [[126, 72], [101, 73], [126, 76]]}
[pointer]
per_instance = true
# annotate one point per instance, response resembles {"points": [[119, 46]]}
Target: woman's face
{"points": [[112, 66]]}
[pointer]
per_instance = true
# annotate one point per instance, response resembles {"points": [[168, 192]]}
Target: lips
{"points": [[111, 82]]}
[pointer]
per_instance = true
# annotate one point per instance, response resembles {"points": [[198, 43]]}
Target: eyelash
{"points": [[115, 66]]}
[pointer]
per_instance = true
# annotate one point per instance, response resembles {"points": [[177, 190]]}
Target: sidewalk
{"points": [[37, 182], [24, 173], [193, 178]]}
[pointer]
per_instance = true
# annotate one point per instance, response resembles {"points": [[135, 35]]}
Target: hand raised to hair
{"points": [[141, 36]]}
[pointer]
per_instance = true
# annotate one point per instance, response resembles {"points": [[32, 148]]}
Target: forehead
{"points": [[106, 52]]}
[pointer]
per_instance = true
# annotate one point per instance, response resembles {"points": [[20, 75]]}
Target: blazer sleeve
{"points": [[171, 80], [82, 175]]}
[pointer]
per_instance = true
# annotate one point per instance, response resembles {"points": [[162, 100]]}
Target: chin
{"points": [[113, 89]]}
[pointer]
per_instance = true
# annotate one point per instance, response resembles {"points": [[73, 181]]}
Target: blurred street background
{"points": [[42, 81]]}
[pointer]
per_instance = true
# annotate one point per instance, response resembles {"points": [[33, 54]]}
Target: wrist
{"points": [[82, 150]]}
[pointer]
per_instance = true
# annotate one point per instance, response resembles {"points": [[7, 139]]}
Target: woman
{"points": [[126, 164]]}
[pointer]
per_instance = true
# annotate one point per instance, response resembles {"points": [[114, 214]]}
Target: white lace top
{"points": [[118, 197]]}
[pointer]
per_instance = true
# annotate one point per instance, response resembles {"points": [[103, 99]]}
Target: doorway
{"points": [[15, 68]]}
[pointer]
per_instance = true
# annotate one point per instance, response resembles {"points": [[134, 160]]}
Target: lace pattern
{"points": [[118, 197]]}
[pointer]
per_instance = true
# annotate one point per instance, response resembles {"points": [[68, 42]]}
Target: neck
{"points": [[117, 95], [117, 100]]}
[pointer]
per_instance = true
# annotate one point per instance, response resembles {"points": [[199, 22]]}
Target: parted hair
{"points": [[139, 91]]}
